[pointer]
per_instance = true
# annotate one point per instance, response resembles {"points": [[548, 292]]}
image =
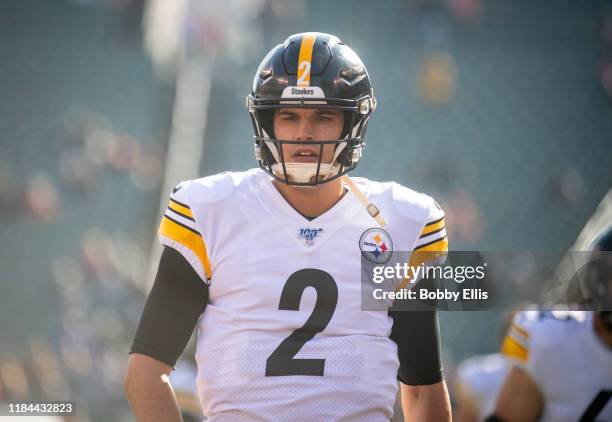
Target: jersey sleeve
{"points": [[516, 342], [175, 302], [521, 343], [431, 247], [179, 230], [433, 236]]}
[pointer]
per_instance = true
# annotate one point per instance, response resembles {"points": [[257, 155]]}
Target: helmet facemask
{"points": [[269, 150]]}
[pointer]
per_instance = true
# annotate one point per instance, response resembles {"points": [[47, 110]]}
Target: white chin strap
{"points": [[305, 172]]}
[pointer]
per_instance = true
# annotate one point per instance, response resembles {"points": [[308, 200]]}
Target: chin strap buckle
{"points": [[370, 208], [258, 153]]}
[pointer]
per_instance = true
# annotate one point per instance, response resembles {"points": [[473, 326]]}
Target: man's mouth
{"points": [[305, 155]]}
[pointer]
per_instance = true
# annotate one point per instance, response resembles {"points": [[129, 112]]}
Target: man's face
{"points": [[308, 124]]}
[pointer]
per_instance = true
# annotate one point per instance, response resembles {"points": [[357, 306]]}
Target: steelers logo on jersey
{"points": [[376, 245]]}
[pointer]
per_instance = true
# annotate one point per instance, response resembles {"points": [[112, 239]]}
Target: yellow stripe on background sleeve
{"points": [[520, 330], [188, 238], [305, 59], [513, 349], [180, 208], [432, 227]]}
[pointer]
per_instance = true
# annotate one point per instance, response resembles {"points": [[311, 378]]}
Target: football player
{"points": [[267, 262], [478, 380], [564, 359]]}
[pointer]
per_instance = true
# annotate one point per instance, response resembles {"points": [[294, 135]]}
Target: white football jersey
{"points": [[283, 336], [480, 378], [567, 360]]}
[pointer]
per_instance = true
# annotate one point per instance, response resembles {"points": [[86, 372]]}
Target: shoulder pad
{"points": [[546, 327], [179, 193], [216, 187], [415, 205], [529, 319]]}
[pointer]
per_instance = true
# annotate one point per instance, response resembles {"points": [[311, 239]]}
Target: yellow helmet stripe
{"points": [[305, 59]]}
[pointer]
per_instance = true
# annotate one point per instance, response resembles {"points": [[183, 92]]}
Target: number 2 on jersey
{"points": [[282, 362]]}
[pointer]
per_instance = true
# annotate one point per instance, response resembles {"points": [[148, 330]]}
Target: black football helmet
{"points": [[312, 70], [597, 277]]}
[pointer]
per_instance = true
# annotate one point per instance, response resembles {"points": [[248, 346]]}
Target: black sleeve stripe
{"points": [[430, 243], [180, 203], [182, 225], [433, 232], [434, 222], [181, 214]]}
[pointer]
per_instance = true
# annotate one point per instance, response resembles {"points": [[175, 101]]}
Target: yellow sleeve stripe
{"points": [[176, 211], [440, 244], [187, 237], [417, 259], [513, 349], [434, 226], [180, 208]]}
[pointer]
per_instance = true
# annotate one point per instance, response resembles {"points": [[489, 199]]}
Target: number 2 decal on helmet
{"points": [[305, 58], [304, 72]]}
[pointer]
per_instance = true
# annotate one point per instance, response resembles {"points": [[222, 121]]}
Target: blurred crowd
{"points": [[606, 57], [92, 149], [101, 285]]}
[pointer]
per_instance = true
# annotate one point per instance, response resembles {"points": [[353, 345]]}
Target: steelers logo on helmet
{"points": [[318, 71], [376, 245]]}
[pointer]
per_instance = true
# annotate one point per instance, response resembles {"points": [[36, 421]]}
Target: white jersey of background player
{"points": [[569, 365], [478, 381]]}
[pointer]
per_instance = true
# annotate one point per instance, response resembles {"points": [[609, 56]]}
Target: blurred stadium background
{"points": [[501, 110]]}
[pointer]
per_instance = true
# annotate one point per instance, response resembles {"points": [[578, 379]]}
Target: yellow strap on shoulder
{"points": [[371, 208]]}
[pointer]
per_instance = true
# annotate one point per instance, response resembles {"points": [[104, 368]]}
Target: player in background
{"points": [[563, 359], [478, 380], [267, 262]]}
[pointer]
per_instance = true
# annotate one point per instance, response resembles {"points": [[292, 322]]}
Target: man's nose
{"points": [[304, 131]]}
